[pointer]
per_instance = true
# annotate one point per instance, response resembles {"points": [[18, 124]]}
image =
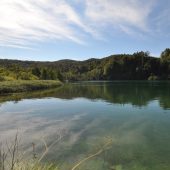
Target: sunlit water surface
{"points": [[134, 116]]}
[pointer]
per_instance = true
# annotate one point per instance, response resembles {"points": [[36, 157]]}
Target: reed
{"points": [[12, 158]]}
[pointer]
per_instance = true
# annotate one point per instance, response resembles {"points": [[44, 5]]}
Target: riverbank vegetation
{"points": [[27, 85], [137, 66]]}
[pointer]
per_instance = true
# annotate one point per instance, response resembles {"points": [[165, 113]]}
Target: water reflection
{"points": [[135, 93], [135, 115]]}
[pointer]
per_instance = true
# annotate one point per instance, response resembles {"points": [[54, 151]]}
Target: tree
{"points": [[52, 75], [165, 55], [44, 74], [107, 69], [36, 71], [60, 76]]}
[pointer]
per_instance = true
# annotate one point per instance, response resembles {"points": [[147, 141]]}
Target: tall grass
{"points": [[27, 85], [12, 158]]}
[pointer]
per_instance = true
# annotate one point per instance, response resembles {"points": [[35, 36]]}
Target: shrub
{"points": [[153, 77]]}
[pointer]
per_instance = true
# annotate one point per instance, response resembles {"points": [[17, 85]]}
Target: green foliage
{"points": [[153, 77], [165, 55], [138, 66], [44, 75], [27, 85], [59, 76], [36, 71]]}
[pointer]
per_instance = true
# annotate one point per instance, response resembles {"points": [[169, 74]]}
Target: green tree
{"points": [[52, 75], [165, 55], [60, 76], [36, 71], [44, 74]]}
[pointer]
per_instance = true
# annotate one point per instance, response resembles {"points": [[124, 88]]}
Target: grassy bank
{"points": [[27, 85]]}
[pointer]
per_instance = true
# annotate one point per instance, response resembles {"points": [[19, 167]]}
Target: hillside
{"points": [[138, 66]]}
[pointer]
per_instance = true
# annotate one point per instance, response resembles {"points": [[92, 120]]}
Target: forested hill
{"points": [[138, 66]]}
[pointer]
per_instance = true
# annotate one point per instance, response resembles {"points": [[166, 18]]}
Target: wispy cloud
{"points": [[24, 23], [162, 22], [123, 14]]}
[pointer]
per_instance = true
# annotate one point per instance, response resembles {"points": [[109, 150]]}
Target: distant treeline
{"points": [[138, 66]]}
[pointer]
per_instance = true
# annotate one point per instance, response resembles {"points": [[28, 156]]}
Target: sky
{"points": [[50, 30]]}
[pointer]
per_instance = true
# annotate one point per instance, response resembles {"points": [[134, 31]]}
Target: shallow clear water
{"points": [[134, 116]]}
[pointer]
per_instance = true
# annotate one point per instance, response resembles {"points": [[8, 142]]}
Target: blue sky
{"points": [[50, 30]]}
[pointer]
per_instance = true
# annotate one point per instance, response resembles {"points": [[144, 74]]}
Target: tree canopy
{"points": [[137, 66]]}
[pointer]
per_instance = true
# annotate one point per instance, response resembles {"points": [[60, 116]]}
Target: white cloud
{"points": [[122, 14], [23, 23]]}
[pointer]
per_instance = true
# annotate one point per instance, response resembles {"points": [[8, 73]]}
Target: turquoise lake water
{"points": [[134, 116]]}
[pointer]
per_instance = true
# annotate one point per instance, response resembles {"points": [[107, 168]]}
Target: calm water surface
{"points": [[133, 116]]}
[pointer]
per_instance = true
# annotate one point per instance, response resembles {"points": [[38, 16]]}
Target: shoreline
{"points": [[18, 86]]}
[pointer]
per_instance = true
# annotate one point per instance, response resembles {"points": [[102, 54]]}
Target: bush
{"points": [[153, 77]]}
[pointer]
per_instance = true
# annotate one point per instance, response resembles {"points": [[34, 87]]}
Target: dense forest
{"points": [[137, 66]]}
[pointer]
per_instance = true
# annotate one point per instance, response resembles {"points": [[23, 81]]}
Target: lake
{"points": [[122, 125]]}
